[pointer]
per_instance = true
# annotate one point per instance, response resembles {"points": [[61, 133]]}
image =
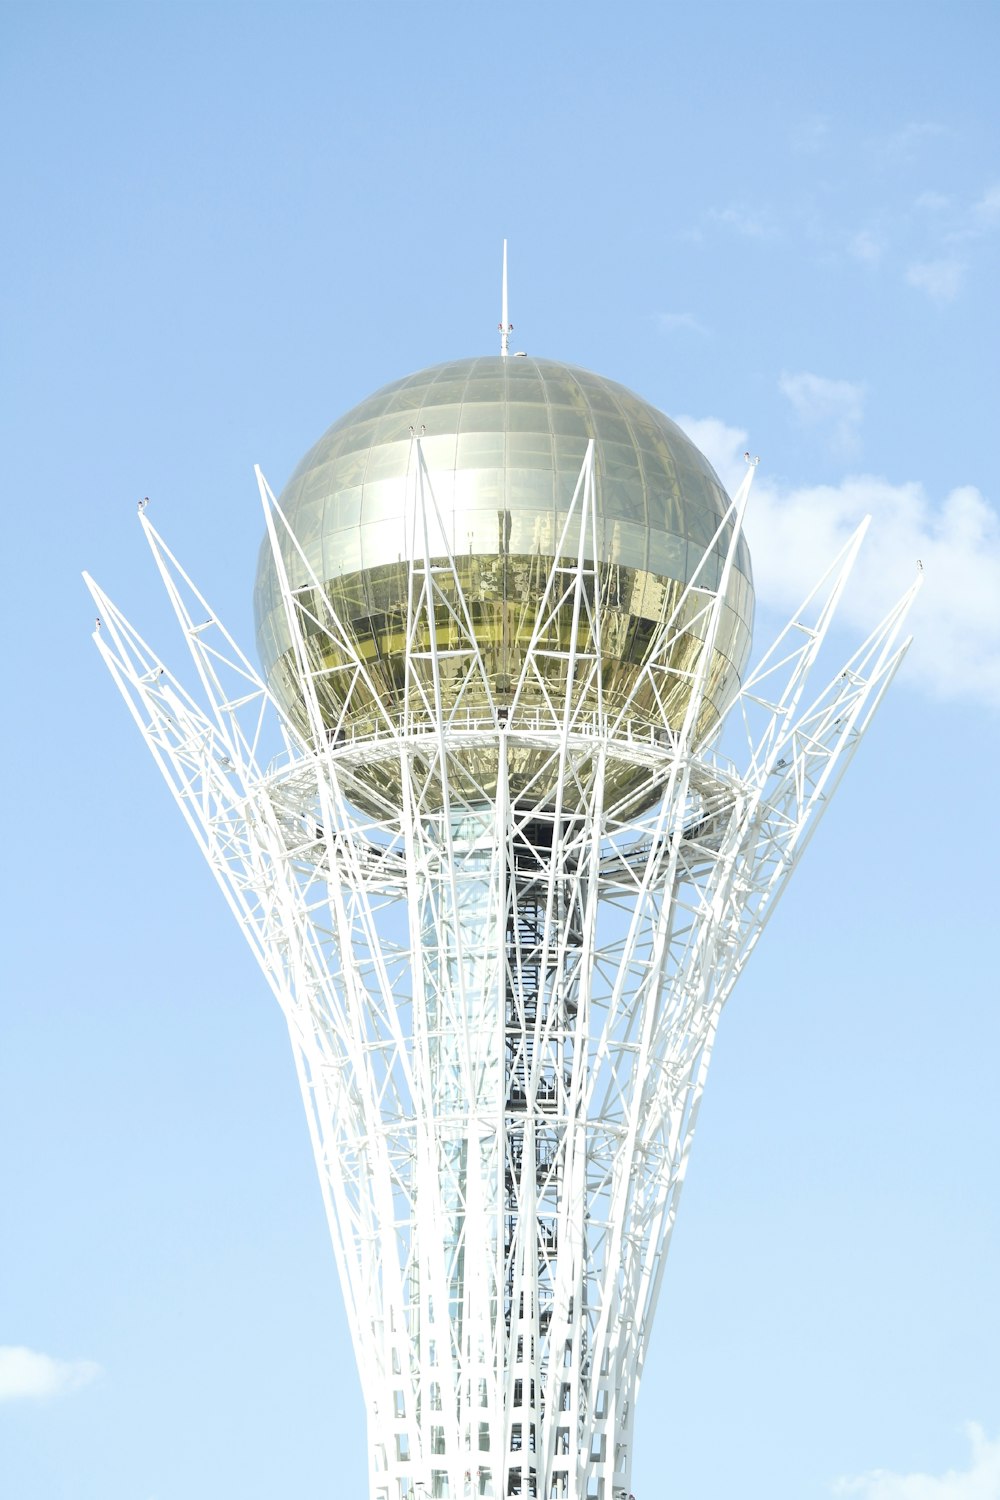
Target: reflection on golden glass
{"points": [[503, 442], [501, 597]]}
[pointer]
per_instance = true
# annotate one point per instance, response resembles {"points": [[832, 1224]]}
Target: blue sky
{"points": [[225, 225]]}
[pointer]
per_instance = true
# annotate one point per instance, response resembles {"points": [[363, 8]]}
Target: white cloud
{"points": [[753, 225], [834, 406], [670, 322], [940, 279], [981, 1481], [987, 211], [811, 135], [905, 143], [976, 221], [25, 1374], [932, 201], [867, 247], [795, 532]]}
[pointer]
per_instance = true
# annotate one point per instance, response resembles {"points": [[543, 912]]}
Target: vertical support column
{"points": [[544, 941]]}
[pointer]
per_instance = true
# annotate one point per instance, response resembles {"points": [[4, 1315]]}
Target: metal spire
{"points": [[505, 328]]}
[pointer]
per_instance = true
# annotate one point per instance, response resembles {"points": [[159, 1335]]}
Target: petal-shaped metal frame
{"points": [[502, 963]]}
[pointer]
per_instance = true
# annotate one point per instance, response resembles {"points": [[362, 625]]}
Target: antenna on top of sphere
{"points": [[505, 328]]}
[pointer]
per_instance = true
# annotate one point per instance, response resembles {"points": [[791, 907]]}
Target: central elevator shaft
{"points": [[542, 952], [502, 941]]}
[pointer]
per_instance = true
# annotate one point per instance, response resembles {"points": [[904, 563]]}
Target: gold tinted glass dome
{"points": [[503, 441]]}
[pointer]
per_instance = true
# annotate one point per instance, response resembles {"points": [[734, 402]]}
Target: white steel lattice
{"points": [[502, 1007]]}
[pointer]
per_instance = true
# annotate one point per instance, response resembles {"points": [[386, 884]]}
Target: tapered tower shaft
{"points": [[501, 886]]}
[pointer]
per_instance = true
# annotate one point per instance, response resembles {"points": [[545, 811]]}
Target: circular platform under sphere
{"points": [[503, 440]]}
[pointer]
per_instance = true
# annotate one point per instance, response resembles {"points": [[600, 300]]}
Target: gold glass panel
{"points": [[503, 442]]}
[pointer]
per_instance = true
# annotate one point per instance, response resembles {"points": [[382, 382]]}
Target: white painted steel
{"points": [[502, 1014]]}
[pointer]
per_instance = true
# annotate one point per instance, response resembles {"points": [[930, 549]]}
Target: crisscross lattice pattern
{"points": [[502, 944]]}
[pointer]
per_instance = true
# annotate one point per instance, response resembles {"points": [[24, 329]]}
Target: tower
{"points": [[477, 817]]}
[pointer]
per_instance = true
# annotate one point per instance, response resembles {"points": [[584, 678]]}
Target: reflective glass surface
{"points": [[503, 441]]}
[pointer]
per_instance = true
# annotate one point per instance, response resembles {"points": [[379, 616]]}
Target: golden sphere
{"points": [[503, 441]]}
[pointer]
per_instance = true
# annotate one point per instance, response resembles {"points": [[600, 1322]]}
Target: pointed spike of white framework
{"points": [[502, 1009]]}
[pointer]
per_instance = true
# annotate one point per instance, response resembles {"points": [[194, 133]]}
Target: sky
{"points": [[225, 225]]}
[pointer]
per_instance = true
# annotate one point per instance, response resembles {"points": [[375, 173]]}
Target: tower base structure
{"points": [[502, 937]]}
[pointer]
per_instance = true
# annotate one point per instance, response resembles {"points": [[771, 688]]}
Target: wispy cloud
{"points": [[906, 142], [980, 1481], [795, 532], [932, 202], [833, 406], [867, 247], [935, 239], [941, 280], [811, 135], [28, 1375], [671, 322], [752, 224], [986, 211], [959, 226], [924, 238], [957, 229]]}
